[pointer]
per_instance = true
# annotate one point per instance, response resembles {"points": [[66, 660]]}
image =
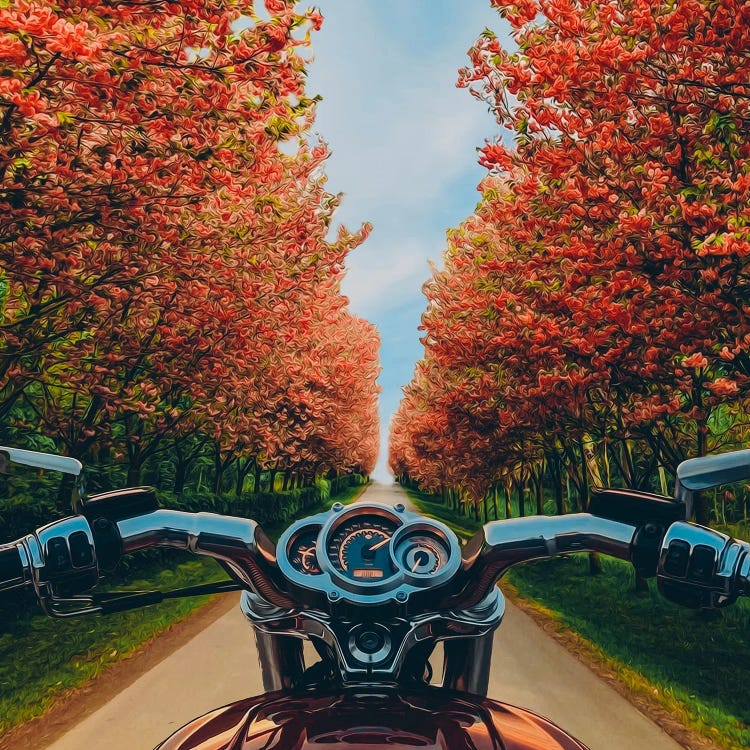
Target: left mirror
{"points": [[65, 464]]}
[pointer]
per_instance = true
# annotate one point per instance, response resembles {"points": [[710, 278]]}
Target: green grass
{"points": [[697, 668], [42, 659], [461, 525]]}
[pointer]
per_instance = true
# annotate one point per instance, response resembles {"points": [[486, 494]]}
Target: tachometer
{"points": [[303, 553], [359, 547]]}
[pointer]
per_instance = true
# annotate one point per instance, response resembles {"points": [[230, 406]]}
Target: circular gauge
{"points": [[422, 553], [302, 551], [359, 547]]}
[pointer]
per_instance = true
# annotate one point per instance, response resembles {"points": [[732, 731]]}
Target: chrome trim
{"points": [[404, 634], [47, 583], [725, 582], [331, 590]]}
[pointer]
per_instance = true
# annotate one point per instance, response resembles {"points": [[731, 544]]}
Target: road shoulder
{"points": [[599, 663], [74, 707]]}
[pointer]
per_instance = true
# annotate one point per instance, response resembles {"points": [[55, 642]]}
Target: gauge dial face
{"points": [[422, 553], [303, 551], [360, 548]]}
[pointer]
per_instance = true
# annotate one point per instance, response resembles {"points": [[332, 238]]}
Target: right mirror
{"points": [[702, 473]]}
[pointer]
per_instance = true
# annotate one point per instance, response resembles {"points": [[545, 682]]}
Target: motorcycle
{"points": [[374, 588]]}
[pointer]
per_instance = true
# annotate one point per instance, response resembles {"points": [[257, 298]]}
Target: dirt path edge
{"points": [[81, 702], [589, 655]]}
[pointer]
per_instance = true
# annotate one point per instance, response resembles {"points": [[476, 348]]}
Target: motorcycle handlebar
{"points": [[695, 566], [239, 544], [64, 559], [501, 544]]}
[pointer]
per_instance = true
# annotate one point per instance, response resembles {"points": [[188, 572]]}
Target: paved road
{"points": [[529, 669]]}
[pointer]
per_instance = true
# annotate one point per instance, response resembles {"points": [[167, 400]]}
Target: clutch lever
{"points": [[110, 602]]}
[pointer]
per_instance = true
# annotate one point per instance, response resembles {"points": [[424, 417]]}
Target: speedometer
{"points": [[359, 547]]}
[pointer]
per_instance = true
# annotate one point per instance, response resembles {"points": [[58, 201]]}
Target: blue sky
{"points": [[404, 142]]}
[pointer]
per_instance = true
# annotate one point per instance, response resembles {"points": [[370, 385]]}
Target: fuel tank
{"points": [[431, 718]]}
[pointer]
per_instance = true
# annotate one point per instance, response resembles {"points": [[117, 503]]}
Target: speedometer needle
{"points": [[380, 544]]}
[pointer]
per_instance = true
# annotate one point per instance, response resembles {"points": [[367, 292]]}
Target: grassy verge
{"points": [[696, 668], [42, 659]]}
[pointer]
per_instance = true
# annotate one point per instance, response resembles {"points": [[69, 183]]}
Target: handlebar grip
{"points": [[12, 567], [744, 574], [702, 568]]}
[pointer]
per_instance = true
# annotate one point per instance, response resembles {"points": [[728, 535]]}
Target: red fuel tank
{"points": [[430, 718]]}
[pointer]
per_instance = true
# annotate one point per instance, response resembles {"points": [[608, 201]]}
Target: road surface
{"points": [[220, 665]]}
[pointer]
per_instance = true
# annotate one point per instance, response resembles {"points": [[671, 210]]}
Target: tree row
{"points": [[591, 322], [169, 280]]}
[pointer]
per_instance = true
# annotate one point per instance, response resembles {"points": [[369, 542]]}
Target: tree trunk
{"points": [[285, 483], [494, 501], [539, 487], [701, 508], [508, 508], [65, 490], [242, 471], [557, 486], [218, 475], [256, 478], [595, 563], [180, 475], [134, 474], [521, 493]]}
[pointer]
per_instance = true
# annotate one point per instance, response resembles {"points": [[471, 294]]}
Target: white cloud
{"points": [[387, 275]]}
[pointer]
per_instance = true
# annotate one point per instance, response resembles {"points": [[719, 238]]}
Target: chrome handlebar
{"points": [[695, 566], [63, 560], [501, 544], [239, 544]]}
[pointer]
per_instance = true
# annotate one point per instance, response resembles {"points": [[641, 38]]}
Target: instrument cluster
{"points": [[368, 553]]}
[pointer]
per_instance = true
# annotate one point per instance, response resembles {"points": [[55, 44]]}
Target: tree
{"points": [[598, 294]]}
